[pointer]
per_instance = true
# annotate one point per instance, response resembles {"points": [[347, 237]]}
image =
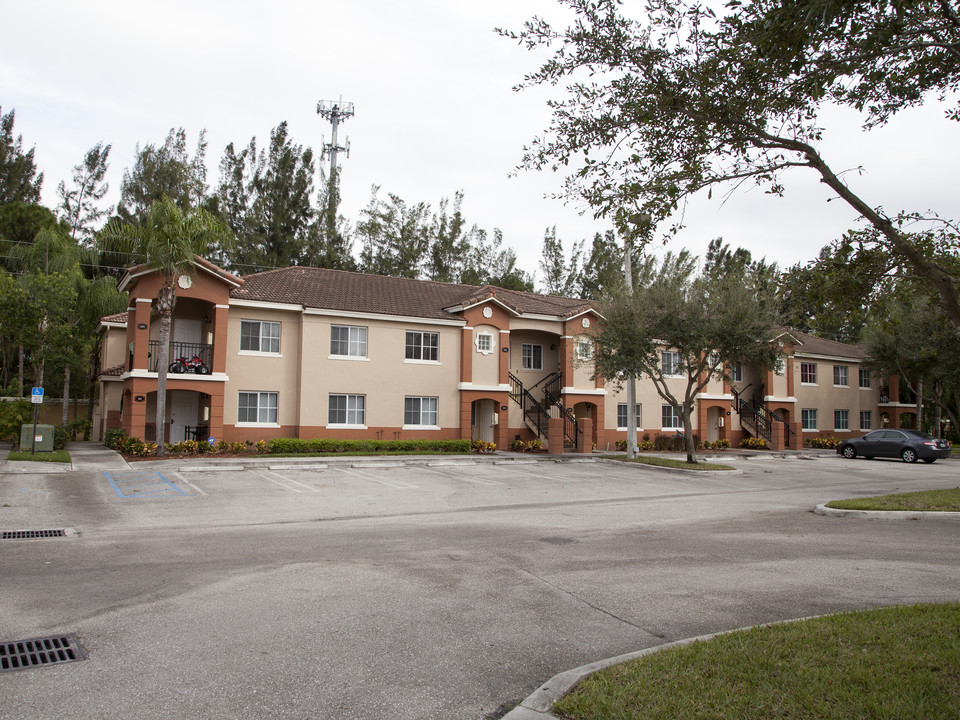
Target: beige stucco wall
{"points": [[827, 397], [486, 367]]}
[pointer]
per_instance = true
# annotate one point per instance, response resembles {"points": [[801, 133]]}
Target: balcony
{"points": [[194, 358]]}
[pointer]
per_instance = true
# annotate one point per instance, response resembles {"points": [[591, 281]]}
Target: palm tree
{"points": [[167, 241]]}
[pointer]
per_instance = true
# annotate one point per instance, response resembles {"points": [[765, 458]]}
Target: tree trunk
{"points": [[20, 369], [166, 301], [65, 410], [689, 442], [920, 403]]}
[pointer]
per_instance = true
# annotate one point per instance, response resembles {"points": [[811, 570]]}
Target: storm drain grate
{"points": [[38, 652], [30, 534]]}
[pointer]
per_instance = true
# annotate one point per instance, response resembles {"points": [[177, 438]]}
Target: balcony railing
{"points": [[184, 358]]}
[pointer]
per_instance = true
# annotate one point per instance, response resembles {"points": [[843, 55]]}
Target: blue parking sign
{"points": [[36, 395]]}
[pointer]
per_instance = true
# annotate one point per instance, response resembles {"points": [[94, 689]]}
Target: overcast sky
{"points": [[435, 111]]}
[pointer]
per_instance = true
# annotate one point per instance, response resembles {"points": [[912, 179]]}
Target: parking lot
{"points": [[434, 588]]}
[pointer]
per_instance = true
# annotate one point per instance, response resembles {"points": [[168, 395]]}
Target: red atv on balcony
{"points": [[189, 365]]}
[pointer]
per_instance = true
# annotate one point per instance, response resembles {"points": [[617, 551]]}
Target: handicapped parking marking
{"points": [[147, 484]]}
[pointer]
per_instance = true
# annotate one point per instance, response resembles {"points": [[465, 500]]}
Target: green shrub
{"points": [[13, 414], [535, 445], [621, 445], [516, 445], [110, 437], [288, 446], [823, 443], [239, 447], [722, 444], [752, 443]]}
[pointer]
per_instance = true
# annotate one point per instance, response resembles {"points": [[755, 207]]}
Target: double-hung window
{"points": [[736, 373], [584, 348], [865, 378], [421, 411], [422, 346], [670, 363], [257, 407], [622, 416], [841, 419], [671, 417], [808, 418], [259, 336], [841, 375], [808, 373], [531, 357], [348, 341], [866, 420], [347, 410]]}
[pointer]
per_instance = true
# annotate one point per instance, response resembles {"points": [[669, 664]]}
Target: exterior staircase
{"points": [[537, 412], [756, 418]]}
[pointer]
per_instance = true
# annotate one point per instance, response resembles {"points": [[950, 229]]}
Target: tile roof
{"points": [[813, 345], [379, 294], [120, 317]]}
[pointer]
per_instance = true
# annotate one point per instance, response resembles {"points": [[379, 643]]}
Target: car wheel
{"points": [[848, 451], [909, 455], [929, 460]]}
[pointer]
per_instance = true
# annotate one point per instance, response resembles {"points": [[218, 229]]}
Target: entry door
{"points": [[183, 409], [485, 413]]}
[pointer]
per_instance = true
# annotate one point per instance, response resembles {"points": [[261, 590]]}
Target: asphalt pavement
{"points": [[431, 588]]}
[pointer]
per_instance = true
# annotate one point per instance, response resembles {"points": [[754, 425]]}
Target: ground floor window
{"points": [[257, 407], [622, 416], [531, 357], [841, 419], [866, 421], [671, 417], [420, 411], [808, 418], [347, 410]]}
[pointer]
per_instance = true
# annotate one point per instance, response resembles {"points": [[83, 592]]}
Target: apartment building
{"points": [[308, 352]]}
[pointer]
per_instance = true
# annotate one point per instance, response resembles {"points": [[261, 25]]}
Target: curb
{"points": [[885, 514], [538, 704]]}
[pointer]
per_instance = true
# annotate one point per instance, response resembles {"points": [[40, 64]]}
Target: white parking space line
{"points": [[198, 490], [284, 478], [262, 474], [452, 475], [398, 484]]}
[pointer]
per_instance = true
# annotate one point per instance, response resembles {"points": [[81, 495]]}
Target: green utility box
{"points": [[44, 438]]}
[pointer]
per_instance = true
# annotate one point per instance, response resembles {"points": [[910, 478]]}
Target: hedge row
{"points": [[334, 445]]}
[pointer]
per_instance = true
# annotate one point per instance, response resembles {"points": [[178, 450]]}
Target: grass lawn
{"points": [[925, 500], [898, 663], [60, 456], [670, 462]]}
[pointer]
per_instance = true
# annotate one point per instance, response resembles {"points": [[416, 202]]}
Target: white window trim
{"points": [[257, 425], [258, 353], [532, 357], [241, 423], [813, 429], [345, 426], [679, 363], [420, 427], [421, 362], [493, 343], [351, 358]]}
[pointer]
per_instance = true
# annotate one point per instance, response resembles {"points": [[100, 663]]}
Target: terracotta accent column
{"points": [[555, 435], [141, 337], [777, 437], [585, 435], [790, 379], [504, 373], [135, 413], [220, 341], [216, 415]]}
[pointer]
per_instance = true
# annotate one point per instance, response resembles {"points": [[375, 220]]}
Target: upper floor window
{"points": [[736, 372], [260, 336], [670, 363], [584, 349], [346, 409], [841, 375], [257, 407], [531, 357], [808, 373], [420, 411], [780, 366], [865, 378], [484, 343], [348, 340], [422, 346]]}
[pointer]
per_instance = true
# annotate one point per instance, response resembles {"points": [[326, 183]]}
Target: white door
{"points": [[485, 415], [183, 409]]}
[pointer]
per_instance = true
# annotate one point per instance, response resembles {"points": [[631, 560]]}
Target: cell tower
{"points": [[335, 111]]}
